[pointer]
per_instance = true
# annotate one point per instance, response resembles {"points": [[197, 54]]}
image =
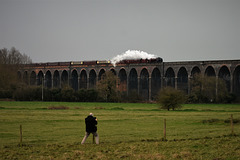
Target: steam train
{"points": [[72, 63]]}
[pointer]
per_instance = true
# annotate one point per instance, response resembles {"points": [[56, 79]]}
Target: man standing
{"points": [[91, 127]]}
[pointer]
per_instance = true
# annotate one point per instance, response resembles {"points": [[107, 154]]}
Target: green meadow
{"points": [[54, 130]]}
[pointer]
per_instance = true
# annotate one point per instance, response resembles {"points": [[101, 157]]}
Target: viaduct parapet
{"points": [[145, 78]]}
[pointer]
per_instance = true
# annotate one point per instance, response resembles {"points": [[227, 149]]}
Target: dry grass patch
{"points": [[57, 107]]}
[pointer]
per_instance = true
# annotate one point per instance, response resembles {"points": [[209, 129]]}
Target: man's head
{"points": [[91, 114]]}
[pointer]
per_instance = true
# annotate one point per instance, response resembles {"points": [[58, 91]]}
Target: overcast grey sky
{"points": [[76, 30]]}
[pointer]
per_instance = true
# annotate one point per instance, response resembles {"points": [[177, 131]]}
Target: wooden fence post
{"points": [[20, 135], [164, 131], [232, 125]]}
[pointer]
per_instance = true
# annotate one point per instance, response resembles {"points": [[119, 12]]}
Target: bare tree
{"points": [[13, 56], [3, 56], [26, 59], [10, 61]]}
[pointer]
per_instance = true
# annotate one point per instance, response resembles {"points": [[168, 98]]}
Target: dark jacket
{"points": [[91, 123]]}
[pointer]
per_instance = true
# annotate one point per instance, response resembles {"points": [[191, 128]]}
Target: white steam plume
{"points": [[131, 54]]}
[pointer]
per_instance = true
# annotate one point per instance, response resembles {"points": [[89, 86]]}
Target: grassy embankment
{"points": [[127, 131]]}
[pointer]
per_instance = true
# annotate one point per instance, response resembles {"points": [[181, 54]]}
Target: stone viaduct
{"points": [[145, 78]]}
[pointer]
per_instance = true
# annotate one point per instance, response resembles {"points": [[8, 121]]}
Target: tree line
{"points": [[203, 90]]}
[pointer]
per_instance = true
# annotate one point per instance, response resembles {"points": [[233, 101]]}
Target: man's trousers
{"points": [[94, 134]]}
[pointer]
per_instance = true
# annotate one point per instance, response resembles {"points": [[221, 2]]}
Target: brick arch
{"points": [[40, 78], [133, 81], [64, 78], [33, 78], [155, 82], [236, 80], [92, 78], [224, 74], [19, 75], [101, 73], [194, 75], [25, 77], [182, 79], [74, 79], [83, 79], [122, 75], [48, 78], [113, 71], [170, 77], [144, 84], [56, 79], [210, 71], [195, 70]]}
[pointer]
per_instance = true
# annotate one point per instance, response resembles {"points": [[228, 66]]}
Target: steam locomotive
{"points": [[134, 61]]}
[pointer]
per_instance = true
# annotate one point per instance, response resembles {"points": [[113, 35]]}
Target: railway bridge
{"points": [[145, 77]]}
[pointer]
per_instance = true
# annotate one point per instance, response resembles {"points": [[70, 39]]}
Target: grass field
{"points": [[126, 131]]}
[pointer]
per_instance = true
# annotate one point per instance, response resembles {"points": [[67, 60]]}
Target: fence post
{"points": [[20, 135], [93, 138], [232, 125], [164, 131]]}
